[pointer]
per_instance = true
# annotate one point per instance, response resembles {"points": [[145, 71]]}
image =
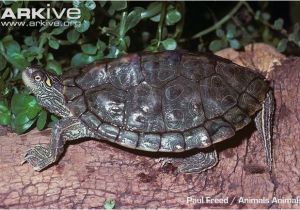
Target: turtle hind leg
{"points": [[195, 163], [264, 124], [65, 130]]}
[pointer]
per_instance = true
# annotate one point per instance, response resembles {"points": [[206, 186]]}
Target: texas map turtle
{"points": [[166, 102]]}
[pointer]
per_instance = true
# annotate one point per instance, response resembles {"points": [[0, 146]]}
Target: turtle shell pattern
{"points": [[169, 101]]}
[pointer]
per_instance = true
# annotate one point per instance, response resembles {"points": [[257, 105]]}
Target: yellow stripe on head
{"points": [[48, 82]]}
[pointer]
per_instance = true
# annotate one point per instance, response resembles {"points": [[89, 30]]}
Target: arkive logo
{"points": [[41, 13]]}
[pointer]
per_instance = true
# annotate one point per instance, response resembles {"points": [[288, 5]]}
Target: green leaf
{"points": [[22, 127], [33, 52], [265, 16], [89, 49], [5, 118], [29, 41], [282, 45], [18, 60], [235, 44], [42, 119], [54, 118], [220, 33], [85, 13], [76, 3], [11, 46], [133, 18], [231, 31], [32, 112], [90, 4], [153, 9], [278, 24], [118, 5], [109, 204], [156, 18], [173, 16], [5, 114], [21, 118], [84, 26], [57, 31], [53, 43], [101, 45], [54, 66], [3, 106], [3, 62], [81, 58], [21, 102], [73, 36], [215, 45], [169, 44]]}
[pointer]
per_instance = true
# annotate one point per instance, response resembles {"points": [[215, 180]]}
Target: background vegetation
{"points": [[110, 29]]}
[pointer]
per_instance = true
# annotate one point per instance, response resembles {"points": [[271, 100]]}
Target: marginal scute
{"points": [[172, 142], [236, 117], [258, 89], [149, 142], [248, 104], [128, 138], [160, 68], [94, 76], [108, 132], [219, 130], [237, 76], [217, 96], [69, 82], [197, 138], [77, 106], [182, 105], [108, 103], [143, 109], [90, 120], [70, 73], [72, 92], [125, 73], [197, 67]]}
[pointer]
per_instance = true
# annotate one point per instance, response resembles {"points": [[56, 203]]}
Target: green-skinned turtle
{"points": [[165, 102]]}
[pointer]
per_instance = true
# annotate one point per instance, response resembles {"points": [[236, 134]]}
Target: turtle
{"points": [[166, 102]]}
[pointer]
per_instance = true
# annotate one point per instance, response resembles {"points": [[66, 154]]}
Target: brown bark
{"points": [[91, 171]]}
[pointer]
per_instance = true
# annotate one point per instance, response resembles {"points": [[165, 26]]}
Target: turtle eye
{"points": [[37, 78]]}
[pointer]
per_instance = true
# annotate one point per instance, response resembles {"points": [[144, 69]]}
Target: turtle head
{"points": [[47, 88]]}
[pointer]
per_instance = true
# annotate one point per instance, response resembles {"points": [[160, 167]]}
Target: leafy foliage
{"points": [[109, 204], [109, 29]]}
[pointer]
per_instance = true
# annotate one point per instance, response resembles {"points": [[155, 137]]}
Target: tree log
{"points": [[91, 172]]}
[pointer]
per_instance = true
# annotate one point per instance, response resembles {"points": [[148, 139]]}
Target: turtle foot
{"points": [[193, 164], [39, 157]]}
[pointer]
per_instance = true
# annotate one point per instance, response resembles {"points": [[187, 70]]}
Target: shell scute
{"points": [[149, 142], [197, 138], [144, 109], [128, 138], [172, 142], [219, 130], [197, 67], [108, 132], [108, 103], [160, 68], [125, 73], [95, 76], [217, 96], [182, 105]]}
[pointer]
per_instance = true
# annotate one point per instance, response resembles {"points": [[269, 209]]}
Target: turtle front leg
{"points": [[195, 163], [64, 130], [264, 124]]}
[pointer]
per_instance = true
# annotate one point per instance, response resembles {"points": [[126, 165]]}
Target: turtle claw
{"points": [[39, 157]]}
